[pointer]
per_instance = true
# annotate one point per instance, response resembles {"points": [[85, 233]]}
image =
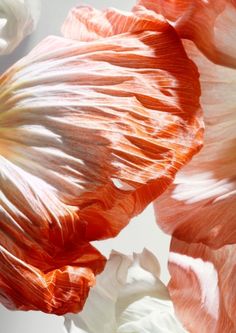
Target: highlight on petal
{"points": [[202, 286], [210, 24], [128, 297], [17, 20], [201, 204]]}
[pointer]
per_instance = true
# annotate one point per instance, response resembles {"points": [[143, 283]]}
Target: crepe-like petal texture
{"points": [[211, 24], [18, 18], [91, 132], [201, 205], [203, 286], [128, 297]]}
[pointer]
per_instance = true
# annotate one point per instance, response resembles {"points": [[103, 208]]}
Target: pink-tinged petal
{"points": [[201, 205], [86, 23], [91, 133], [203, 286], [211, 25]]}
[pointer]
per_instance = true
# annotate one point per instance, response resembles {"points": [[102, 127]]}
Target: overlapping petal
{"points": [[201, 205], [210, 24], [202, 286], [128, 297], [17, 20], [90, 134], [200, 208]]}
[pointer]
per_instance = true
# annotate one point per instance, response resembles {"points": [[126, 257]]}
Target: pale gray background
{"points": [[142, 231]]}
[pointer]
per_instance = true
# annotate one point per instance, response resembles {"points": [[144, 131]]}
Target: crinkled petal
{"points": [[17, 20], [90, 134], [210, 24], [203, 286], [128, 297], [59, 290], [201, 205], [86, 23]]}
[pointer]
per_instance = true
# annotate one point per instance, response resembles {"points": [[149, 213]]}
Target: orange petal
{"points": [[202, 286], [204, 192], [210, 24], [90, 134], [59, 291]]}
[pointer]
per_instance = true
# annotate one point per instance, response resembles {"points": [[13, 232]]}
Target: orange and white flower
{"points": [[91, 132]]}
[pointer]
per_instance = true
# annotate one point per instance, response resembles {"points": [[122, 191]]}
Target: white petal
{"points": [[17, 20], [128, 297]]}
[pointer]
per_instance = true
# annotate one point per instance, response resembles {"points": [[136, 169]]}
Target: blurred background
{"points": [[141, 232]]}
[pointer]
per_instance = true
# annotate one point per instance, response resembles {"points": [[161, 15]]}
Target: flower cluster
{"points": [[97, 124]]}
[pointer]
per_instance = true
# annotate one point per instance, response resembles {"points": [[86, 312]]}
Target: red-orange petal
{"points": [[211, 25], [26, 283], [91, 133], [202, 286]]}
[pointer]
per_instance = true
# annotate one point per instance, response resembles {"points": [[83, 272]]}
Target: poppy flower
{"points": [[128, 297], [91, 132], [18, 19], [199, 209]]}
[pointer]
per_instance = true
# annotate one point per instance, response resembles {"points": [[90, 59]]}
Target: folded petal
{"points": [[204, 192], [211, 25], [128, 297], [17, 20], [90, 134], [202, 286], [59, 290]]}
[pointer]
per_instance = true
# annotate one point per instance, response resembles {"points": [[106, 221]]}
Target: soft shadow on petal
{"points": [[202, 286], [201, 205], [211, 25], [18, 19], [91, 133], [127, 297]]}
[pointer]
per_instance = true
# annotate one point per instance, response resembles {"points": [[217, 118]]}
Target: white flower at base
{"points": [[18, 19], [128, 298]]}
